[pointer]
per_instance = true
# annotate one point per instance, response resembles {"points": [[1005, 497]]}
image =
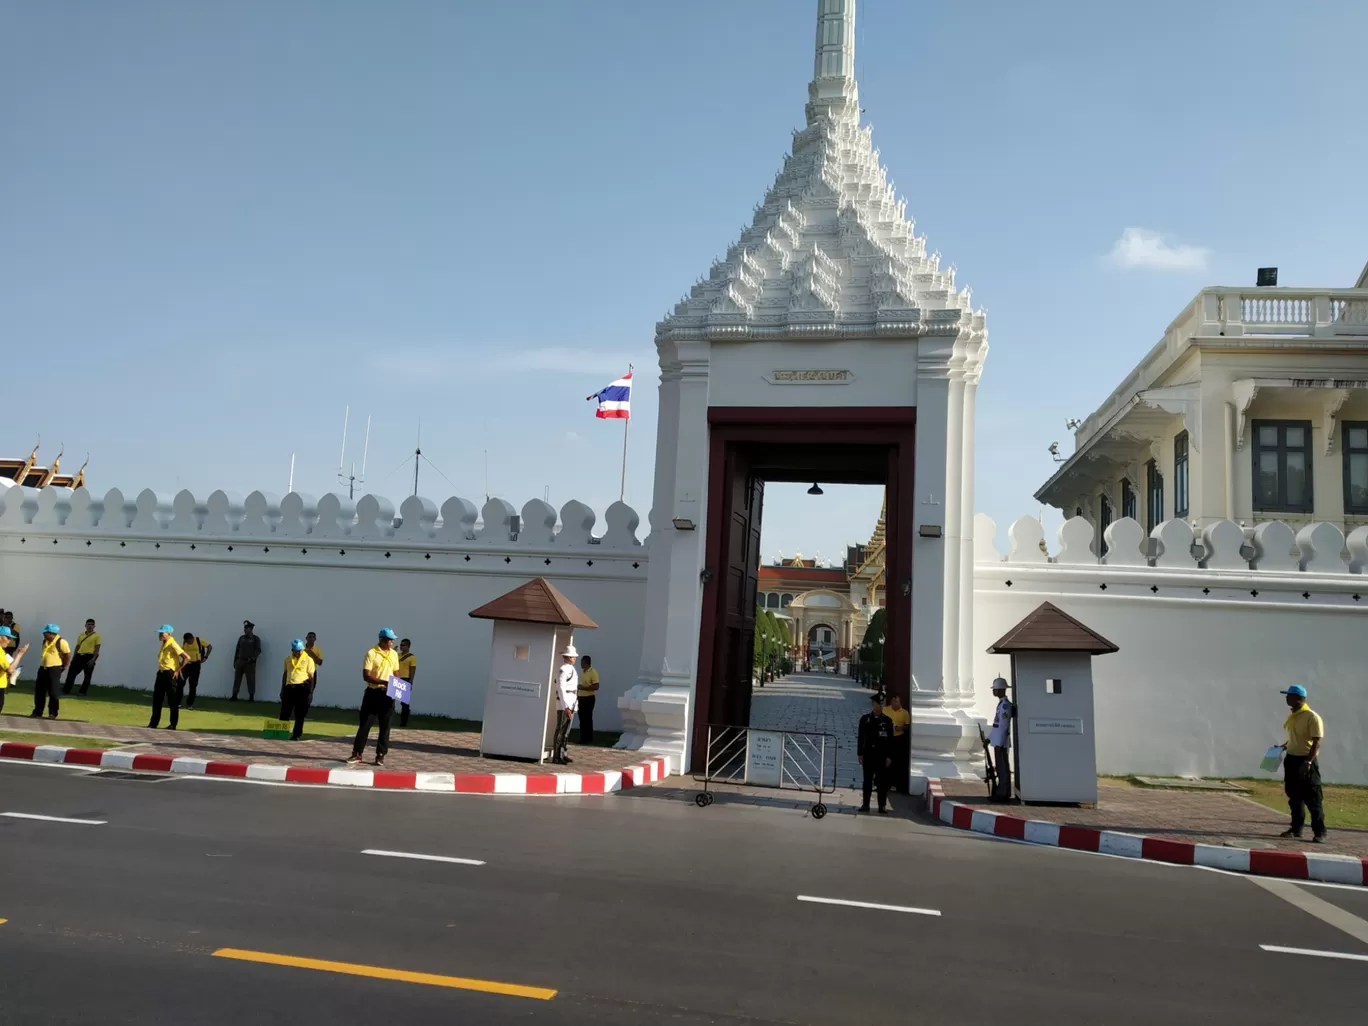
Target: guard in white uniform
{"points": [[1000, 737], [567, 698]]}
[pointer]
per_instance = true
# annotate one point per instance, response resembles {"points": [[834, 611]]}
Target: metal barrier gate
{"points": [[783, 759]]}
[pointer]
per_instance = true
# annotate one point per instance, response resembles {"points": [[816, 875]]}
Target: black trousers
{"points": [[294, 704], [378, 706], [1302, 785], [876, 775], [166, 689], [586, 718], [191, 674], [562, 736], [82, 664], [1002, 768], [247, 671], [47, 688]]}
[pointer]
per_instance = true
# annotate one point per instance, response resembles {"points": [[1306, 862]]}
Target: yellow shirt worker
{"points": [[296, 686], [88, 644], [7, 664], [196, 652], [167, 688], [586, 698], [408, 669], [381, 663], [1301, 767], [56, 654]]}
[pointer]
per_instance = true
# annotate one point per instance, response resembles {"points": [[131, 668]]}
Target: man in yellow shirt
{"points": [[902, 743], [408, 669], [47, 687], [1301, 769], [9, 666], [83, 662], [196, 652], [167, 687], [587, 698], [382, 663], [296, 684]]}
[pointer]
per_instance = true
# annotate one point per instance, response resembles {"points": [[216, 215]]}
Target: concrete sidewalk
{"points": [[1197, 817], [418, 759]]}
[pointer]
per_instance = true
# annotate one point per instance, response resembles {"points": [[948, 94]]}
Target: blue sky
{"points": [[220, 224]]}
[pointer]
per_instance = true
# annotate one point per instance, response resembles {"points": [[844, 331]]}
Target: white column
{"points": [[657, 713], [944, 736], [950, 528], [966, 595]]}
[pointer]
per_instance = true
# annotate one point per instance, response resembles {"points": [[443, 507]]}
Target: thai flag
{"points": [[615, 401]]}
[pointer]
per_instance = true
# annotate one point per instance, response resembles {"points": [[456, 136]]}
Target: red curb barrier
{"points": [[1162, 850], [541, 783], [225, 769], [1079, 838], [16, 750], [395, 779], [475, 783], [1262, 862], [1278, 863], [593, 783], [83, 756], [1010, 826], [307, 774], [156, 763]]}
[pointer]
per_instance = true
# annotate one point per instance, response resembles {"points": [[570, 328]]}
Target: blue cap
{"points": [[5, 632], [1294, 689], [52, 628], [166, 628], [297, 645], [385, 632]]}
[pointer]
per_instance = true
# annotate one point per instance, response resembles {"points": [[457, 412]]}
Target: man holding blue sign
{"points": [[377, 703]]}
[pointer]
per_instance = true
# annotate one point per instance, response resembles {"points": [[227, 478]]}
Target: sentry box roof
{"points": [[1050, 629], [537, 601]]}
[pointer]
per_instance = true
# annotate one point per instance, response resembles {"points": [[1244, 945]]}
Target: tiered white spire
{"points": [[830, 252]]}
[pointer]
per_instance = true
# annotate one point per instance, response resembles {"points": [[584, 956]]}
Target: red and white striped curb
{"points": [[1294, 864], [463, 783]]}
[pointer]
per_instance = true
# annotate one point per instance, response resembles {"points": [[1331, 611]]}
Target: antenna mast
{"points": [[352, 479], [417, 452]]}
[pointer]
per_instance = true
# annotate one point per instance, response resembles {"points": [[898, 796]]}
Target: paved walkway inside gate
{"points": [[816, 703]]}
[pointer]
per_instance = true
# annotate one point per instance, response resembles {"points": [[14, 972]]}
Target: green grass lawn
{"points": [[210, 715], [63, 740], [1346, 805], [220, 716]]}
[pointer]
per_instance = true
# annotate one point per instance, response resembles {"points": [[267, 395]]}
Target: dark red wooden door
{"points": [[739, 584]]}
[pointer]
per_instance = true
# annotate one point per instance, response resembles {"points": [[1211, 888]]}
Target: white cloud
{"points": [[1141, 248]]}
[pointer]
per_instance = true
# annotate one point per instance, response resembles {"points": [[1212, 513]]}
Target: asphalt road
{"points": [[633, 910]]}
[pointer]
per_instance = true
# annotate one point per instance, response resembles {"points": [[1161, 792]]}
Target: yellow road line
{"points": [[381, 973], [3, 921]]}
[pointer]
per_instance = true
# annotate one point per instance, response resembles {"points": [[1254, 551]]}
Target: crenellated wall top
{"points": [[1271, 547], [417, 521]]}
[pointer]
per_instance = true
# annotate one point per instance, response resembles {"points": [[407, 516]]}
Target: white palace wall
{"points": [[1209, 629], [340, 568]]}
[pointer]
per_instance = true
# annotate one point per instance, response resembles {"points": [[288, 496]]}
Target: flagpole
{"points": [[622, 487]]}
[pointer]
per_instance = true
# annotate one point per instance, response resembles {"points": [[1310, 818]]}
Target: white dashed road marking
{"points": [[869, 904], [423, 858], [54, 819], [1312, 951]]}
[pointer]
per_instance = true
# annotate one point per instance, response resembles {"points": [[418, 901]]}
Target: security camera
{"points": [[1054, 451], [1072, 424]]}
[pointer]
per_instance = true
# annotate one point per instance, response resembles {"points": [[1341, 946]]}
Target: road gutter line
{"points": [[381, 973], [869, 904], [423, 858], [54, 819], [1312, 951], [1318, 907]]}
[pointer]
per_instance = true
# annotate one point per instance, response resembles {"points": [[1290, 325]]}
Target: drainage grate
{"points": [[129, 775]]}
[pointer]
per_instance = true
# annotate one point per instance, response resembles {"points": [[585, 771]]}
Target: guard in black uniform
{"points": [[874, 749]]}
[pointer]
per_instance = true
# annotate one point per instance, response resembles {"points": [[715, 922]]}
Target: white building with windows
{"points": [[1252, 407]]}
